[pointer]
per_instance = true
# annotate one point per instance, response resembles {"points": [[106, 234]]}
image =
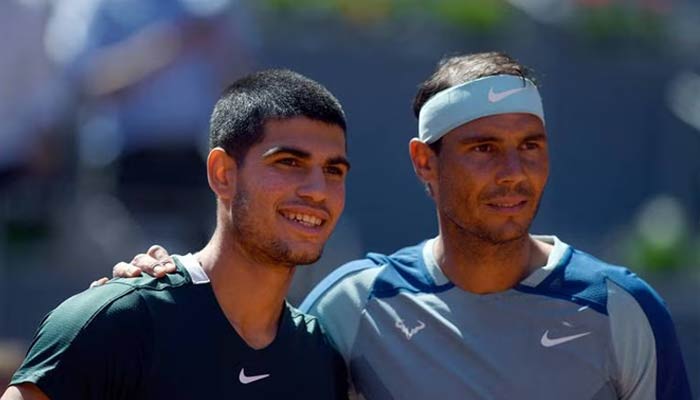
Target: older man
{"points": [[485, 310]]}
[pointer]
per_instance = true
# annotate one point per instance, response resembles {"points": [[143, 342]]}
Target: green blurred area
{"points": [[664, 238], [598, 20], [646, 255], [620, 21]]}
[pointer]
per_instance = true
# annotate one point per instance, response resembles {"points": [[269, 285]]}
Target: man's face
{"points": [[490, 177], [290, 191]]}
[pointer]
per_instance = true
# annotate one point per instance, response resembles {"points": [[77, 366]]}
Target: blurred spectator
{"points": [[30, 94], [147, 73], [33, 103]]}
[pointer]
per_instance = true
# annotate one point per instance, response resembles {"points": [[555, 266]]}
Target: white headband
{"points": [[492, 95]]}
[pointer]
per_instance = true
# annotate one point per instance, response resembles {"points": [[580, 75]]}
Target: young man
{"points": [[485, 310], [219, 327]]}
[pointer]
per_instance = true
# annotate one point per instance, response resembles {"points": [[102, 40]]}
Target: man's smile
{"points": [[304, 219], [311, 220], [511, 204]]}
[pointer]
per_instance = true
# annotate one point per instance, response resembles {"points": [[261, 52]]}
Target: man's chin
{"points": [[305, 257], [505, 239], [305, 260], [507, 234]]}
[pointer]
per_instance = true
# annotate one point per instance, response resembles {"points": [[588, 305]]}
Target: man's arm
{"points": [[25, 391], [646, 349], [68, 357]]}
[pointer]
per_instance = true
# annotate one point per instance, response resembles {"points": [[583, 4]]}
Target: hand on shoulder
{"points": [[156, 262]]}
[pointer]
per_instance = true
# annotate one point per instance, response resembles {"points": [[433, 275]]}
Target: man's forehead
{"points": [[273, 122], [305, 138], [301, 131], [512, 124]]}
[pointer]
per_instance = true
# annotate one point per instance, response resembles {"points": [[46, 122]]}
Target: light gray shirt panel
{"points": [[341, 305], [455, 344], [634, 345]]}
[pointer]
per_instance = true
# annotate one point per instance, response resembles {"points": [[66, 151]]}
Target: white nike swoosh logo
{"points": [[496, 97], [546, 341], [250, 379]]}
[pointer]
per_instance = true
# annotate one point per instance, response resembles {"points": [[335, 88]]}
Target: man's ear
{"points": [[424, 162], [221, 173]]}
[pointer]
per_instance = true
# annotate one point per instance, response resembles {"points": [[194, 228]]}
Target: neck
{"points": [[480, 266], [250, 294]]}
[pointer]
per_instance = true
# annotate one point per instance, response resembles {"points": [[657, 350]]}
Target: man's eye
{"points": [[530, 146], [334, 171], [483, 148], [289, 162]]}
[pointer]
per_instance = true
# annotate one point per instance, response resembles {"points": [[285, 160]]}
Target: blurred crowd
{"points": [[100, 99]]}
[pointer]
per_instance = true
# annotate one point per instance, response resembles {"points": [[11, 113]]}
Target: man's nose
{"points": [[511, 169], [314, 186]]}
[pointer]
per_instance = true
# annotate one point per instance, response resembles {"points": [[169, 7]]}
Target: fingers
{"points": [[158, 252], [164, 264], [143, 261], [99, 282], [125, 270], [156, 262]]}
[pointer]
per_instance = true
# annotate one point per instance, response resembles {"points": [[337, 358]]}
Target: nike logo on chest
{"points": [[547, 341], [245, 379]]}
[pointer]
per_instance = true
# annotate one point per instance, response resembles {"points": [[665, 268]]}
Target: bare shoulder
{"points": [[25, 391]]}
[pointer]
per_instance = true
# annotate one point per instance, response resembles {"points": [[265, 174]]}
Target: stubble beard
{"points": [[501, 235], [262, 246], [495, 236]]}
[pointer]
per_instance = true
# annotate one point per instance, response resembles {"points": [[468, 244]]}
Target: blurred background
{"points": [[104, 108]]}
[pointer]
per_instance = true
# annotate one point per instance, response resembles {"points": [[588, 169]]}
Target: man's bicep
{"points": [[87, 346], [648, 357], [24, 391]]}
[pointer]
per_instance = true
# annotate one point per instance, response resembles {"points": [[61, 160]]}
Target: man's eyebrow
{"points": [[287, 150], [304, 155], [487, 138], [339, 160], [536, 136], [479, 139]]}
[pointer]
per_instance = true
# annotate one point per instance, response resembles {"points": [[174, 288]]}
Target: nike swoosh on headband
{"points": [[496, 97]]}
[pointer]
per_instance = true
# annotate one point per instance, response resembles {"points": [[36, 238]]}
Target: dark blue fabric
{"points": [[408, 272], [577, 279]]}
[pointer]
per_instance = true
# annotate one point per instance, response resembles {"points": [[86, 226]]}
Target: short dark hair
{"points": [[239, 116], [452, 71]]}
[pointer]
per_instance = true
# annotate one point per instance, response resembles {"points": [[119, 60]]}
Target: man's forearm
{"points": [[25, 391]]}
